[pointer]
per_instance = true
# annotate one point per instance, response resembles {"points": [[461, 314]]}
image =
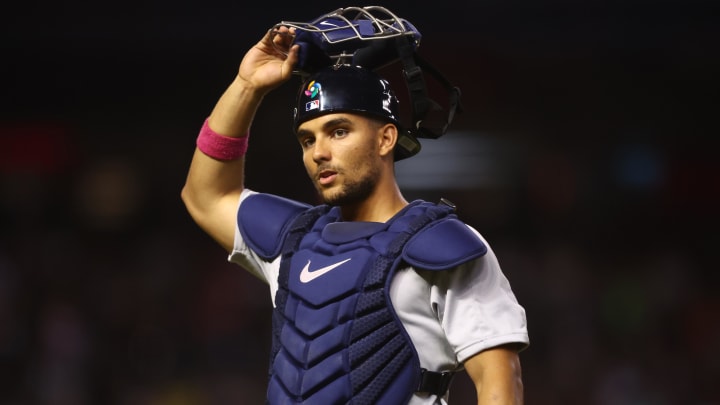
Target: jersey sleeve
{"points": [[477, 307], [245, 257]]}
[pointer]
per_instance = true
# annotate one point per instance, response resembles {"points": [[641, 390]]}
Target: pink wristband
{"points": [[221, 147]]}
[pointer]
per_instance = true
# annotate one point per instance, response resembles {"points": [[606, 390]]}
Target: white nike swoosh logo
{"points": [[307, 276]]}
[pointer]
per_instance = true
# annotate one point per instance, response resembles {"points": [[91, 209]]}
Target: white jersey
{"points": [[449, 315]]}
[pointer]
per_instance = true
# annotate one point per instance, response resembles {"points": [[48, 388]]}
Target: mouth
{"points": [[325, 177]]}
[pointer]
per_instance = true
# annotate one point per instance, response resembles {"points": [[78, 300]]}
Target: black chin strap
{"points": [[430, 119]]}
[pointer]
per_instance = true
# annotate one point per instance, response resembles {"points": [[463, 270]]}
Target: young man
{"points": [[376, 300]]}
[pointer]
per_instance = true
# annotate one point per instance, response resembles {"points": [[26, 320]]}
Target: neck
{"points": [[382, 205]]}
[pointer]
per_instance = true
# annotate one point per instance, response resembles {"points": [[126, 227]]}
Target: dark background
{"points": [[599, 194]]}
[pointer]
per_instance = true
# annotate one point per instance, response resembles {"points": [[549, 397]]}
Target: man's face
{"points": [[340, 152]]}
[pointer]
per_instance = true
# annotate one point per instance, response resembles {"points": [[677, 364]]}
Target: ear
{"points": [[387, 138]]}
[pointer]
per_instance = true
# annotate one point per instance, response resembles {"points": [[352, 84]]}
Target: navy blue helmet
{"points": [[352, 89]]}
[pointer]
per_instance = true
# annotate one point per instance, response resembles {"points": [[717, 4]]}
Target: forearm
{"points": [[210, 178], [213, 186], [234, 112], [506, 393], [497, 376]]}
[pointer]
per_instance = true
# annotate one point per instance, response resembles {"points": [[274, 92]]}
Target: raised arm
{"points": [[213, 186]]}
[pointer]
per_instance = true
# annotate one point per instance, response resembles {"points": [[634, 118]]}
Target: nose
{"points": [[320, 150]]}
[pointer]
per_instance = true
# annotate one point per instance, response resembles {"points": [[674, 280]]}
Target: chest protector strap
{"points": [[337, 339]]}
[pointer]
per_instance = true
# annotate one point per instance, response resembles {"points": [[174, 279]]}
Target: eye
{"points": [[340, 132], [307, 141]]}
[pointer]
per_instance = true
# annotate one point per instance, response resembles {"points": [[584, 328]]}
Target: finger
{"points": [[269, 36], [284, 37], [291, 60]]}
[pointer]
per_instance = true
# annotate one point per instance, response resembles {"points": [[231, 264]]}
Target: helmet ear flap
{"points": [[407, 145]]}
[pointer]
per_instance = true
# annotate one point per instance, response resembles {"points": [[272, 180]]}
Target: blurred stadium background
{"points": [[585, 155]]}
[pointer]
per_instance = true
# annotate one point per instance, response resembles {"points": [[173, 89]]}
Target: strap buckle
{"points": [[435, 382]]}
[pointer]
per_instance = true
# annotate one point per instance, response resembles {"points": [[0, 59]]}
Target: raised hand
{"points": [[270, 62]]}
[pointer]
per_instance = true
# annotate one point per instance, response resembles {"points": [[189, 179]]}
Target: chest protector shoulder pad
{"points": [[263, 222], [443, 245]]}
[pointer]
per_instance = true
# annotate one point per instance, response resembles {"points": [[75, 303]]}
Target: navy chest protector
{"points": [[336, 337]]}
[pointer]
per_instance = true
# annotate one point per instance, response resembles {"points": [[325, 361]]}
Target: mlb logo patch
{"points": [[312, 105]]}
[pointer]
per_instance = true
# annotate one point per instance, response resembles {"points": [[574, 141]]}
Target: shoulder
{"points": [[263, 220], [444, 244]]}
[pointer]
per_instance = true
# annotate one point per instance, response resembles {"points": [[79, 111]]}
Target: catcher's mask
{"points": [[351, 43]]}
